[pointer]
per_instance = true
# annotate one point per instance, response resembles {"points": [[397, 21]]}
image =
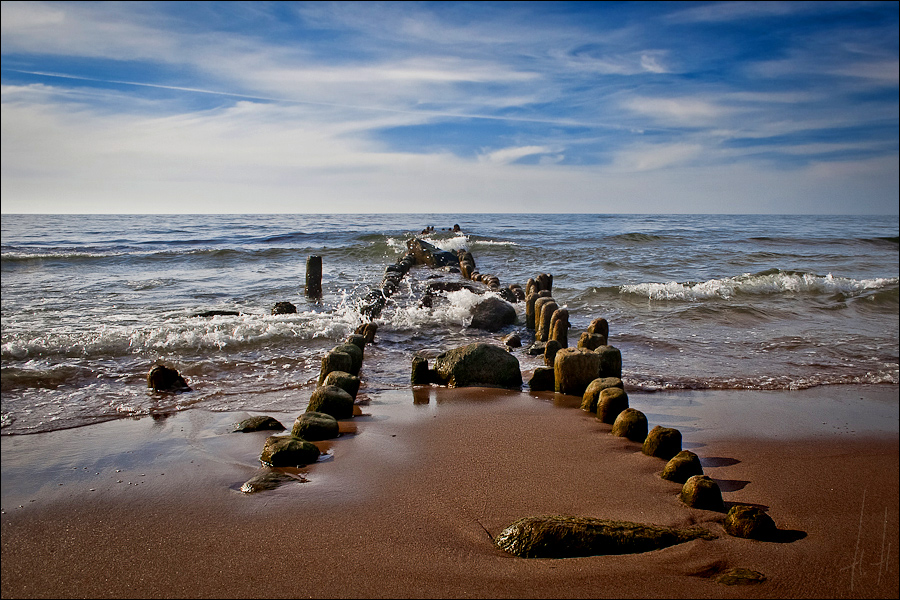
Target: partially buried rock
{"points": [[288, 451], [493, 314], [478, 364], [164, 379], [266, 479], [331, 400], [682, 467], [284, 308], [315, 426], [702, 492], [258, 423], [749, 522], [566, 537], [662, 442], [592, 393], [740, 577], [612, 401], [631, 424]]}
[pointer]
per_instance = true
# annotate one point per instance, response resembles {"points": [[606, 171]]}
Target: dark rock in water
{"points": [[288, 451], [513, 340], [592, 392], [335, 361], [542, 380], [267, 479], [493, 314], [372, 305], [428, 254], [537, 349], [478, 365], [611, 402], [357, 340], [567, 537], [452, 286], [164, 379], [368, 331], [315, 426], [662, 442], [421, 374], [631, 424], [331, 400], [682, 467], [599, 326], [575, 369], [217, 313], [259, 423], [702, 492], [355, 352], [749, 522], [347, 382], [740, 577], [284, 308], [610, 361]]}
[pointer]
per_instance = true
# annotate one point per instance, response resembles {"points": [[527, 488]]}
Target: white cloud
{"points": [[677, 111], [512, 154]]}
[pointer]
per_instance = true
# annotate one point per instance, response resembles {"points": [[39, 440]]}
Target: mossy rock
{"points": [[355, 352], [347, 382], [288, 451], [610, 403], [662, 442], [682, 467], [575, 369], [566, 537], [315, 426], [259, 423], [592, 393], [740, 577], [335, 361], [610, 361], [332, 400], [700, 491], [749, 522], [632, 424], [591, 341], [478, 365]]}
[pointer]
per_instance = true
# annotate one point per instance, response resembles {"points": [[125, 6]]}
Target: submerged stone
{"points": [[566, 537], [266, 479], [740, 577]]}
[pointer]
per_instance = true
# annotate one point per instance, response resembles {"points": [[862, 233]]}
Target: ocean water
{"points": [[91, 302]]}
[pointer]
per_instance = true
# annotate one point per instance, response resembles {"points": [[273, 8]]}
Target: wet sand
{"points": [[406, 506]]}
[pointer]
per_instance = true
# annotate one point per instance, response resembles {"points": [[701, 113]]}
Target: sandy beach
{"points": [[405, 504]]}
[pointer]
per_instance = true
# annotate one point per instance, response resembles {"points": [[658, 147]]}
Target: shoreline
{"points": [[404, 507]]}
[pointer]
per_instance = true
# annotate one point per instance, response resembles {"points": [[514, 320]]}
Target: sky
{"points": [[450, 107]]}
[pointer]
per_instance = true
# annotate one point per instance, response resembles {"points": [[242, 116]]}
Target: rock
{"points": [[164, 379], [611, 402], [550, 350], [547, 311], [357, 340], [478, 364], [543, 380], [537, 349], [559, 327], [513, 340], [662, 442], [288, 451], [428, 254], [315, 426], [566, 537], [599, 326], [266, 479], [529, 309], [493, 314], [258, 423], [355, 352], [610, 361], [591, 341], [335, 361], [331, 400], [284, 308], [575, 368], [632, 424], [538, 315], [421, 374], [217, 313], [700, 491], [682, 467], [368, 331], [749, 522], [347, 382], [592, 392], [740, 577]]}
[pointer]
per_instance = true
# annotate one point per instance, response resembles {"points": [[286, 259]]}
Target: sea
{"points": [[694, 302]]}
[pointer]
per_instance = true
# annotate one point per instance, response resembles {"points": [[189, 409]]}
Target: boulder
{"points": [[566, 537], [682, 467], [315, 426], [164, 379], [347, 382], [478, 364], [335, 361], [493, 314], [431, 255], [331, 400], [258, 423], [591, 341], [610, 361], [700, 491], [288, 451], [284, 308], [632, 424], [575, 368], [542, 380], [749, 522], [592, 392], [611, 402], [662, 442], [513, 340]]}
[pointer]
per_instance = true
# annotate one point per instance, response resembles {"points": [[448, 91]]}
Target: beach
{"points": [[406, 502]]}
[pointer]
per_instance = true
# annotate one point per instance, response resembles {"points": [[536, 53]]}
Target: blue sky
{"points": [[607, 107]]}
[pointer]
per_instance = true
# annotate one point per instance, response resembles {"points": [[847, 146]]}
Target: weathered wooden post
{"points": [[314, 276]]}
